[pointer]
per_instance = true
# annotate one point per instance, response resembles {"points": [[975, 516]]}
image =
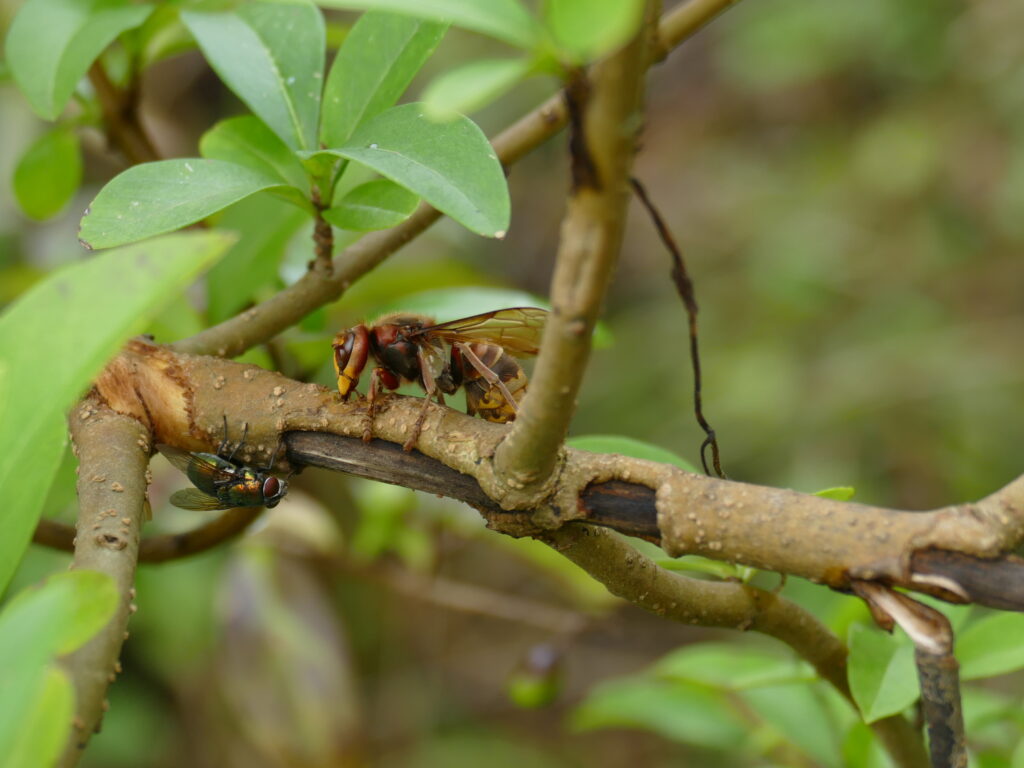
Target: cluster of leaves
{"points": [[749, 699]]}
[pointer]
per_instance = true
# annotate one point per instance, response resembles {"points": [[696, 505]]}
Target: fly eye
{"points": [[271, 487]]}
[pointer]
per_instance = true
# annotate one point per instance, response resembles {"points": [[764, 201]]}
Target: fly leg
{"points": [[487, 374]]}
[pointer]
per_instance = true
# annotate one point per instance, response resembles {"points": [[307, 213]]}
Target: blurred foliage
{"points": [[847, 183]]}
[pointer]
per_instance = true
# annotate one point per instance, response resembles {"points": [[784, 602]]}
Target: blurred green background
{"points": [[847, 183]]}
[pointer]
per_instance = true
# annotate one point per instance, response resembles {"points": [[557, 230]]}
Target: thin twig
{"points": [[684, 286], [121, 117], [605, 110]]}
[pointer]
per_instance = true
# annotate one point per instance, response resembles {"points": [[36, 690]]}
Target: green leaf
{"points": [[450, 165], [58, 336], [798, 714], [246, 140], [271, 54], [39, 624], [470, 87], [627, 446], [838, 493], [677, 711], [377, 204], [379, 58], [883, 679], [506, 20], [991, 646], [52, 43], [155, 198], [731, 667], [265, 227], [48, 174], [56, 617], [586, 29], [39, 718]]}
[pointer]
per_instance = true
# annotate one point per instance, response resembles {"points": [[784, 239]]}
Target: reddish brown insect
{"points": [[473, 352]]}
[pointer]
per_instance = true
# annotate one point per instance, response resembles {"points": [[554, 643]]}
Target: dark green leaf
{"points": [[155, 198], [470, 87], [48, 174], [374, 66], [450, 165], [677, 711], [628, 446], [375, 205], [992, 646], [265, 226], [883, 679], [586, 29], [505, 20], [63, 330], [271, 54], [52, 43], [247, 141]]}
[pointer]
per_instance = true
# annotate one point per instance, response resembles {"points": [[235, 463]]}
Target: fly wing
{"points": [[218, 468], [193, 498], [517, 329]]}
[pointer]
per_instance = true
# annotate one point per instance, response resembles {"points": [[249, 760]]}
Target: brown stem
{"points": [[170, 546], [606, 115], [121, 116], [323, 239], [113, 452], [267, 319], [725, 604]]}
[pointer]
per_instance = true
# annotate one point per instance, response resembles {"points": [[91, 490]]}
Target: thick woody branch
{"points": [[113, 451], [634, 577], [315, 289], [183, 400], [605, 115]]}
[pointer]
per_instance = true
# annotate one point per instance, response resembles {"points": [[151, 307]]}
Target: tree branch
{"points": [[267, 319], [605, 123], [121, 117], [113, 451]]}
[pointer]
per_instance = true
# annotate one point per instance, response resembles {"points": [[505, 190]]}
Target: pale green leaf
{"points": [[796, 712], [155, 198], [586, 29], [265, 226], [506, 20], [246, 140], [450, 165], [35, 729], [48, 174], [991, 646], [55, 339], [628, 446], [52, 43], [375, 64], [883, 679], [678, 711], [472, 86], [271, 54], [731, 667], [838, 493], [375, 205]]}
